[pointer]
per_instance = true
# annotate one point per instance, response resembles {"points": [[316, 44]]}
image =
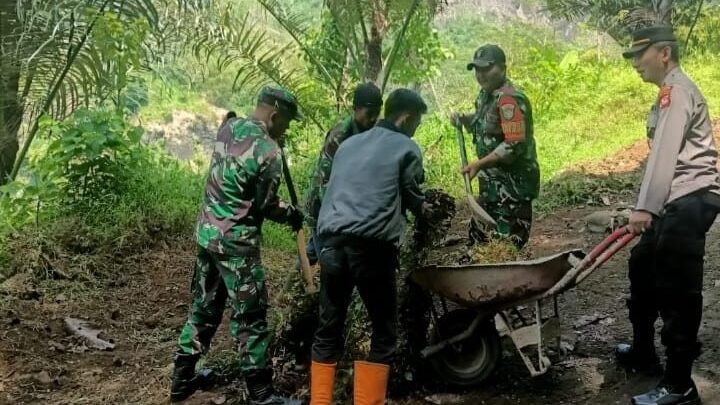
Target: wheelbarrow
{"points": [[465, 342]]}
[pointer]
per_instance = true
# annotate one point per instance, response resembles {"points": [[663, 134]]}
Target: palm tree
{"points": [[52, 61], [362, 30], [59, 54], [620, 17]]}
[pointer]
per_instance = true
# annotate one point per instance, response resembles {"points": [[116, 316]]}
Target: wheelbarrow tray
{"points": [[497, 285]]}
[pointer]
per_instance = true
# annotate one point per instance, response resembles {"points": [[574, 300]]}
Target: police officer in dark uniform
{"points": [[678, 201]]}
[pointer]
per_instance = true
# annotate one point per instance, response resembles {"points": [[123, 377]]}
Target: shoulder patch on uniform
{"points": [[507, 110], [511, 119], [664, 96]]}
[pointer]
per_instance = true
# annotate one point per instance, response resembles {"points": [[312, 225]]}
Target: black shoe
{"points": [[628, 358], [259, 385], [302, 353], [185, 381], [669, 395]]}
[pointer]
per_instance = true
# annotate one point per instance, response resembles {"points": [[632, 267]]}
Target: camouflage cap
{"points": [[281, 99], [644, 37], [487, 55]]}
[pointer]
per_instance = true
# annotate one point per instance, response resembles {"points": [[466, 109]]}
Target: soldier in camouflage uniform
{"points": [[507, 166], [241, 191], [367, 102]]}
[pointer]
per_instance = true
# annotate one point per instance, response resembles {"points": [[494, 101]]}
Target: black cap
{"points": [[281, 99], [487, 55], [367, 95], [644, 37], [404, 100]]}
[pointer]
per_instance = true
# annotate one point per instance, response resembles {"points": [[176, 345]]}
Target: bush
{"points": [[92, 175]]}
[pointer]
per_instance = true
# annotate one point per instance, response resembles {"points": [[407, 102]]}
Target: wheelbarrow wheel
{"points": [[468, 362]]}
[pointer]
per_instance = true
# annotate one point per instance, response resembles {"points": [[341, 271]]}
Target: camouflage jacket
{"points": [[241, 189], [503, 124], [321, 175]]}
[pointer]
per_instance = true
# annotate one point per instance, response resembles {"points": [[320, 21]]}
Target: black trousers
{"points": [[666, 275], [370, 265]]}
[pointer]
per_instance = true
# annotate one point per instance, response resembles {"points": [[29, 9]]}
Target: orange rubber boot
{"points": [[322, 382], [370, 383]]}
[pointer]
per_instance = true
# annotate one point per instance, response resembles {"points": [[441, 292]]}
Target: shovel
{"points": [[307, 271], [478, 213]]}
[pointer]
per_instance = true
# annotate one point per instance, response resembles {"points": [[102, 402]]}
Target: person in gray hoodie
{"points": [[375, 180]]}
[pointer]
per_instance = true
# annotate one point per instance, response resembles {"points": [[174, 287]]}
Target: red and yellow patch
{"points": [[664, 96], [511, 119]]}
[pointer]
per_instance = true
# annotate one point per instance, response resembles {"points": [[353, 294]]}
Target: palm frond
{"points": [[399, 40], [620, 17], [62, 65], [255, 58], [296, 26]]}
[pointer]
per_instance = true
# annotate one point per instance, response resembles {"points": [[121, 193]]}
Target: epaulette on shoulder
{"points": [[506, 90]]}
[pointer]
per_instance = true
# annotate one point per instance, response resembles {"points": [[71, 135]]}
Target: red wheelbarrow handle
{"points": [[605, 250], [596, 258], [601, 253]]}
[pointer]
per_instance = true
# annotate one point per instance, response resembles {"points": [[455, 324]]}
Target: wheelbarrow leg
{"points": [[525, 336]]}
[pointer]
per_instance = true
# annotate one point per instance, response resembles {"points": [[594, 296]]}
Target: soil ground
{"points": [[143, 308]]}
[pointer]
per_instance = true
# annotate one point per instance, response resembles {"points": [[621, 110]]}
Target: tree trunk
{"points": [[373, 47], [373, 65], [11, 112], [11, 108]]}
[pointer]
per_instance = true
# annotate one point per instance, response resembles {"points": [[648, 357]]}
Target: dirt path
{"points": [[142, 310]]}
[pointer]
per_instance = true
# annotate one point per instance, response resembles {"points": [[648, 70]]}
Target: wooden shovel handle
{"points": [[307, 270]]}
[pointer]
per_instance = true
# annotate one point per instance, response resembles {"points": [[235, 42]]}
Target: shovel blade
{"points": [[479, 213]]}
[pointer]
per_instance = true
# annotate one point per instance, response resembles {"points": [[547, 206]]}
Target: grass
{"points": [[167, 96], [584, 112], [590, 108], [587, 104]]}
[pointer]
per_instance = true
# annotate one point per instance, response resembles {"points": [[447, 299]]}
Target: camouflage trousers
{"points": [[240, 279], [514, 219]]}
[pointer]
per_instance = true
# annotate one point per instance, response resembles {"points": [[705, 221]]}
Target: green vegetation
{"points": [[90, 174]]}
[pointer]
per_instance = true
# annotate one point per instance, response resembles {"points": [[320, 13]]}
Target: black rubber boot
{"points": [[640, 356], [665, 394], [302, 361], [645, 361], [184, 379], [259, 385]]}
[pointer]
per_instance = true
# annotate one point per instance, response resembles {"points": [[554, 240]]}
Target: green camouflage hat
{"points": [[282, 99]]}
